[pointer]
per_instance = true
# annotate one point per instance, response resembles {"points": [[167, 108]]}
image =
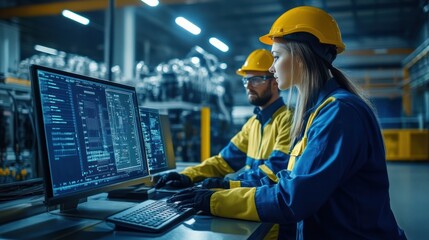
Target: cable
{"points": [[15, 128], [33, 155]]}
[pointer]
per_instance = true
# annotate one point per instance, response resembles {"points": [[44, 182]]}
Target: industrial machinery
{"points": [[181, 87], [17, 142]]}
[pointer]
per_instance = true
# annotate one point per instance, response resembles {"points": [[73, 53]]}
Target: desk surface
{"points": [[54, 226]]}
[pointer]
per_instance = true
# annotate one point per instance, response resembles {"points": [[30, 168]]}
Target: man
{"points": [[261, 144]]}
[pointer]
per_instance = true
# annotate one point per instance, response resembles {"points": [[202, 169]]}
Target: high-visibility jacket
{"points": [[262, 143], [337, 187]]}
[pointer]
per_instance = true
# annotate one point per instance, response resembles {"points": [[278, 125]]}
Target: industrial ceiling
{"points": [[378, 34]]}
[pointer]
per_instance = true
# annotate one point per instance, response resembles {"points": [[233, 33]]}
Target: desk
{"points": [[53, 226]]}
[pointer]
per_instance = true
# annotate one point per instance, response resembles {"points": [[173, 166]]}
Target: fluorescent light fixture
{"points": [[47, 50], [188, 26], [75, 17], [219, 44], [152, 3]]}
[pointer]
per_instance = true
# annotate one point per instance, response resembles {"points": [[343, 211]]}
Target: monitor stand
{"points": [[134, 193], [93, 209]]}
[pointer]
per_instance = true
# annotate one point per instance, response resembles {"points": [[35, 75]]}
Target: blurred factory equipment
{"points": [[17, 142], [67, 62], [181, 87], [411, 141]]}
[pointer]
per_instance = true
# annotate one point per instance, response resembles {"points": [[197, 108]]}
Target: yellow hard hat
{"points": [[310, 20], [259, 60]]}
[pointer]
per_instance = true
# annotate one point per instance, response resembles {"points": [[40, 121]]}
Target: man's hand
{"points": [[215, 183], [198, 199], [174, 179]]}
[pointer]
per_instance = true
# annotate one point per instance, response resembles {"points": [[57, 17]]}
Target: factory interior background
{"points": [[179, 72]]}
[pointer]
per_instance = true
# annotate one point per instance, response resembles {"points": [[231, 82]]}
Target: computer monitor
{"points": [[154, 140], [158, 141], [89, 135]]}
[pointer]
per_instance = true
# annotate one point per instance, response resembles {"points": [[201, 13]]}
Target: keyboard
{"points": [[151, 216]]}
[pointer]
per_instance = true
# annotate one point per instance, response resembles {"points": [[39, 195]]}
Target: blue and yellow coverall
{"points": [[262, 143], [338, 186]]}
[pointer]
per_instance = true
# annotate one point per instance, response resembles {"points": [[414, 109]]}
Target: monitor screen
{"points": [[89, 134], [154, 140]]}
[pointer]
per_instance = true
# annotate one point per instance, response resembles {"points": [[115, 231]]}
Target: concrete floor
{"points": [[409, 193]]}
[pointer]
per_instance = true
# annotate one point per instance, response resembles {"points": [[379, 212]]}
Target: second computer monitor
{"points": [[156, 134]]}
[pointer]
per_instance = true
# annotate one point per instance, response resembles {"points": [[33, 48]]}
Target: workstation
{"points": [[29, 219], [118, 145], [93, 116]]}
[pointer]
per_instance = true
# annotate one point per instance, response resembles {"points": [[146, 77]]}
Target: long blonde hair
{"points": [[315, 72]]}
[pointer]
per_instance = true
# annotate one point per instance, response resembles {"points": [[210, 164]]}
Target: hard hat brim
{"points": [[241, 72], [266, 39]]}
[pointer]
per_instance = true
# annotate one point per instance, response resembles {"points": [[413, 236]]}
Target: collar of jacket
{"points": [[330, 86], [265, 115]]}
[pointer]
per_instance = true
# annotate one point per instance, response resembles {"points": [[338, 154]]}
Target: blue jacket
{"points": [[338, 187]]}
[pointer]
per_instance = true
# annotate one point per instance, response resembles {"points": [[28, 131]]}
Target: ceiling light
{"points": [[75, 17], [219, 44], [47, 50], [223, 66], [188, 26], [152, 3]]}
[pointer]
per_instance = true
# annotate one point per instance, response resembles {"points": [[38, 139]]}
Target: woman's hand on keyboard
{"points": [[198, 199]]}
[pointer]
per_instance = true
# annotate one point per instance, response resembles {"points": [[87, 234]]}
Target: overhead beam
{"points": [[184, 1], [371, 52], [55, 8]]}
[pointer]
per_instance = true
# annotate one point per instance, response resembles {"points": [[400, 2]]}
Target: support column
{"points": [[125, 43], [9, 48], [406, 94], [108, 38]]}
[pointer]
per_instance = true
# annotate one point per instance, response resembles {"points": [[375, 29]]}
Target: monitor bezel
{"points": [[50, 199], [168, 141]]}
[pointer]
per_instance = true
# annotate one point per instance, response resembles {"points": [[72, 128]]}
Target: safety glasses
{"points": [[255, 80]]}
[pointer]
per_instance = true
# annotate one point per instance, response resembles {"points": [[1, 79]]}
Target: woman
{"points": [[336, 184]]}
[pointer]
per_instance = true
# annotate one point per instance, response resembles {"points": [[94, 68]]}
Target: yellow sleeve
{"points": [[233, 156], [237, 203], [212, 167]]}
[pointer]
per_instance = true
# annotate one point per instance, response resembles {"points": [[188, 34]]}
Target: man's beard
{"points": [[261, 100]]}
